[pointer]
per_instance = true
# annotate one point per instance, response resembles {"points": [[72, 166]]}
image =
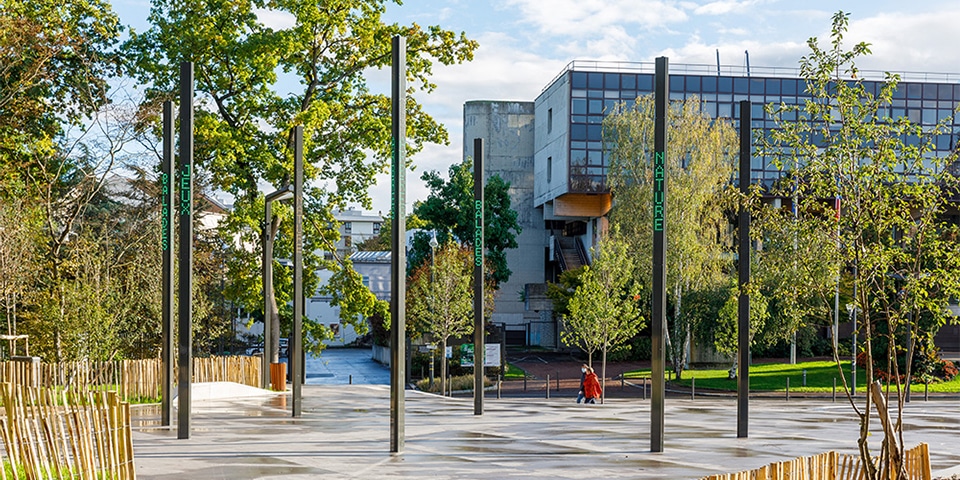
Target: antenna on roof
{"points": [[747, 54], [718, 62]]}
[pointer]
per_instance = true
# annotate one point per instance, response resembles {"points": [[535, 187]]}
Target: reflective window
{"points": [[628, 81], [693, 84], [708, 84], [930, 92], [914, 90], [773, 86], [595, 106], [594, 80], [579, 106], [788, 86], [611, 81], [676, 83], [725, 85], [578, 80], [757, 86], [594, 133], [645, 83], [578, 132], [741, 85]]}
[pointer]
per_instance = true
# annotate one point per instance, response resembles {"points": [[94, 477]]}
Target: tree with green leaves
{"points": [[700, 158], [604, 310], [440, 298], [244, 120], [449, 210], [57, 59], [890, 231], [57, 146], [796, 271]]}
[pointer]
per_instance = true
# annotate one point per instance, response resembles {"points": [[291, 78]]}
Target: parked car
{"points": [[257, 349]]}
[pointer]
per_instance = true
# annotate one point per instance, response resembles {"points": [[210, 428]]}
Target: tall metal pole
{"points": [[479, 348], [743, 311], [267, 292], [166, 240], [186, 250], [659, 317], [295, 352], [398, 259]]}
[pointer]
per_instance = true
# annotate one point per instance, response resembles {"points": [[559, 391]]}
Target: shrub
{"points": [[458, 383]]}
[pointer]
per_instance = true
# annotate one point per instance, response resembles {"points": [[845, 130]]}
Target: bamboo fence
{"points": [[65, 434], [831, 466], [131, 379]]}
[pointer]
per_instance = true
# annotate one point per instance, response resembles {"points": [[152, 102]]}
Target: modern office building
{"points": [[551, 152]]}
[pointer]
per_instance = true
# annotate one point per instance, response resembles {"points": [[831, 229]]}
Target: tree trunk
{"points": [[603, 376], [443, 366], [274, 330]]}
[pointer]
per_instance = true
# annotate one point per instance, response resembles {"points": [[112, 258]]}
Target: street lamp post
{"points": [[271, 329], [433, 267]]}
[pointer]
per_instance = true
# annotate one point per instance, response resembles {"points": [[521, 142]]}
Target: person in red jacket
{"points": [[591, 386]]}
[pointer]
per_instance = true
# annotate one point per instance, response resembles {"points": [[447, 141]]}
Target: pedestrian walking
{"points": [[583, 375], [591, 386]]}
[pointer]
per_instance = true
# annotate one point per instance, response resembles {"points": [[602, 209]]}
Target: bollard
{"points": [[834, 389], [351, 379], [499, 387], [548, 385], [644, 388], [693, 387], [925, 397], [788, 389], [804, 381]]}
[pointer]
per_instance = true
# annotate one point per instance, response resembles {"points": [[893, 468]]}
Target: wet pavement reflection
{"points": [[344, 433]]}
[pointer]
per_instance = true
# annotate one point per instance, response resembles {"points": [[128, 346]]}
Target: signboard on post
{"points": [[491, 357]]}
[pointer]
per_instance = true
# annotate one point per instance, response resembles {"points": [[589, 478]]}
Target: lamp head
{"points": [[284, 193]]}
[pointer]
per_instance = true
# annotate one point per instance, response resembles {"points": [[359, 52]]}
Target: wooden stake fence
{"points": [[66, 434], [830, 466], [131, 379]]}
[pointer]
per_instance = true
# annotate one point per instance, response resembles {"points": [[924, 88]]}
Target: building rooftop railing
{"points": [[736, 71]]}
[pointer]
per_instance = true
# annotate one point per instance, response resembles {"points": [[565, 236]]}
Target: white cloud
{"points": [[723, 7], [921, 42], [595, 28]]}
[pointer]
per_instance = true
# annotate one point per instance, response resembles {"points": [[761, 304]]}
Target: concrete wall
{"points": [[552, 141], [507, 130]]}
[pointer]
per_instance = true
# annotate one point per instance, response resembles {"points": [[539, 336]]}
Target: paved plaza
{"points": [[344, 433]]}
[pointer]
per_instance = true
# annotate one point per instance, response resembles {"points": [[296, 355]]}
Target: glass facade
{"points": [[592, 94]]}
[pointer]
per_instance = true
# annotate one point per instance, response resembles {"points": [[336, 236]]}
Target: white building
{"points": [[355, 227], [375, 269]]}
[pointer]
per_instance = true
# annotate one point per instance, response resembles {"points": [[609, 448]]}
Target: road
{"points": [[341, 366]]}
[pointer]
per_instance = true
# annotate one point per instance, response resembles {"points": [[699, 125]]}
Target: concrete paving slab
{"points": [[344, 433]]}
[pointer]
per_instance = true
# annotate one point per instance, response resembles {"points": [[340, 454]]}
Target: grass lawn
{"points": [[772, 377], [513, 372]]}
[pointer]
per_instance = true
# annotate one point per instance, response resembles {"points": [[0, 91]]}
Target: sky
{"points": [[524, 44]]}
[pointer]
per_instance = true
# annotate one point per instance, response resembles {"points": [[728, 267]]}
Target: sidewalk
{"points": [[344, 433]]}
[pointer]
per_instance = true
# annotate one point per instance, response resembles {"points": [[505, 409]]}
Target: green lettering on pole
{"points": [[659, 198], [185, 194], [478, 234], [164, 212]]}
